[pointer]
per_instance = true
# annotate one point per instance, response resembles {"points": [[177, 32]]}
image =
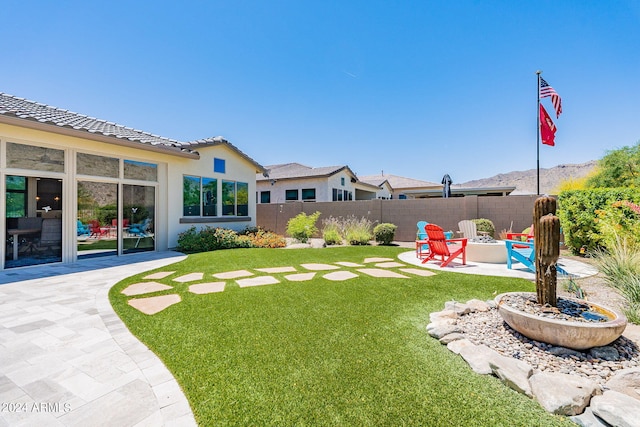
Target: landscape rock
{"points": [[605, 353], [438, 330], [513, 373], [477, 305], [449, 338], [478, 357], [565, 352], [441, 315], [562, 394], [457, 345], [588, 419], [457, 307], [617, 409], [626, 381]]}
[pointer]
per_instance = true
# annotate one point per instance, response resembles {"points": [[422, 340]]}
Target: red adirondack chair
{"points": [[524, 237], [439, 247]]}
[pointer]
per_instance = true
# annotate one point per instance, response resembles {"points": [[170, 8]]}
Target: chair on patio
{"points": [[141, 230], [446, 249], [422, 248], [50, 235], [525, 254], [82, 229], [469, 229], [525, 237]]}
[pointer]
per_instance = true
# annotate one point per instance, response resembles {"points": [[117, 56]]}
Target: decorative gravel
{"points": [[489, 329]]}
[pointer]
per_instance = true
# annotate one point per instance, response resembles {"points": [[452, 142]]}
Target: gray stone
{"points": [[588, 419], [477, 305], [605, 353], [444, 314], [562, 394], [478, 357], [513, 373], [457, 345], [451, 337], [439, 330], [626, 381], [458, 307], [565, 352], [617, 409]]}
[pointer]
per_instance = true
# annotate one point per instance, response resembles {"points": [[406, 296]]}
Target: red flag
{"points": [[547, 127]]}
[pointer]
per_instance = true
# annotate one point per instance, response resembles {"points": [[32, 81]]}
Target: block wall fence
{"points": [[505, 212]]}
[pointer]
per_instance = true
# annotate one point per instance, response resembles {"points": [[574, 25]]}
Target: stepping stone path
{"points": [[207, 288], [244, 279]]}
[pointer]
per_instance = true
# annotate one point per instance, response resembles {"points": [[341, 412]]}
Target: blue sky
{"points": [[414, 88]]}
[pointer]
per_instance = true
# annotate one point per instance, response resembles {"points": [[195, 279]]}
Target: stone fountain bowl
{"points": [[565, 333]]}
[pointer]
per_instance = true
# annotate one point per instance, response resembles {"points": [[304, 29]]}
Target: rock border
{"points": [[584, 400]]}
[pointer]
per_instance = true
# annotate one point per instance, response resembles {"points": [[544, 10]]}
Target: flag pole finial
{"points": [[539, 72]]}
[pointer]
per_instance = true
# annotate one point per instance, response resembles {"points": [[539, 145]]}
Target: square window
{"points": [[291, 195], [265, 197], [308, 194], [219, 165]]}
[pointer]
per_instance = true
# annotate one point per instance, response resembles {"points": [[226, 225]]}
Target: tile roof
{"points": [[296, 170], [20, 108], [398, 182]]}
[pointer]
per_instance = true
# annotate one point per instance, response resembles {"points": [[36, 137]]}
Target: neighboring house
{"points": [[295, 182], [402, 187], [409, 188], [75, 186]]}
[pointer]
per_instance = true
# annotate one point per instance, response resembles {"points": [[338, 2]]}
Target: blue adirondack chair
{"points": [[422, 248], [82, 228], [525, 254]]}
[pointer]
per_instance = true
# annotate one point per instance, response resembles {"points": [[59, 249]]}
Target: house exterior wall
{"points": [[168, 221], [505, 212], [323, 185]]}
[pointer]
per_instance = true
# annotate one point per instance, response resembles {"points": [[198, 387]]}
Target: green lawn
{"points": [[322, 353]]}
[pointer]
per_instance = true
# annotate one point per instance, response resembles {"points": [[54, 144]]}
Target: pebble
{"points": [[489, 329]]}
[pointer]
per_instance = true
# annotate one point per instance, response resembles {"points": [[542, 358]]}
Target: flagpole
{"points": [[538, 136]]}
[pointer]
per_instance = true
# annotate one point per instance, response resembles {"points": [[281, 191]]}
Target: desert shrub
{"points": [[210, 239], [384, 233], [332, 231], [577, 211], [485, 225], [357, 231], [302, 226], [620, 264], [260, 238], [620, 220]]}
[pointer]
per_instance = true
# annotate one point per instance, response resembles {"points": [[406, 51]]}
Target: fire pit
{"points": [[486, 249]]}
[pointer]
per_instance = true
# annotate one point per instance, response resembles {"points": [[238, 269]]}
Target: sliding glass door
{"points": [[139, 206], [97, 222]]}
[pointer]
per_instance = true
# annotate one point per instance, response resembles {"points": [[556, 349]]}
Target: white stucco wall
{"points": [[167, 221], [323, 185]]}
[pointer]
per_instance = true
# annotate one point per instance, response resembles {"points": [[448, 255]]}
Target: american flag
{"points": [[546, 91]]}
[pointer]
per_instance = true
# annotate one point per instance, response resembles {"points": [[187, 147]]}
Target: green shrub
{"points": [[620, 220], [485, 225], [578, 213], [620, 264], [302, 227], [260, 238], [357, 231], [332, 231], [210, 239], [384, 233]]}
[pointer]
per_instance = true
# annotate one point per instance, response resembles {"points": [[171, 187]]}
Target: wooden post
{"points": [[547, 246]]}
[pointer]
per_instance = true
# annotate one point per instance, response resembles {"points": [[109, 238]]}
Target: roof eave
{"points": [[78, 133]]}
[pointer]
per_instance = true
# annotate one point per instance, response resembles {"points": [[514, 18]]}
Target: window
{"points": [[308, 194], [342, 181], [235, 198], [265, 197], [16, 196], [291, 195], [140, 170], [219, 165], [34, 158], [89, 164], [209, 197], [348, 195], [191, 195]]}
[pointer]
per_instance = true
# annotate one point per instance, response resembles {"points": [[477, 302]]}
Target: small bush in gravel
{"points": [[384, 233], [331, 231], [357, 231], [261, 238], [210, 239], [485, 225], [302, 226]]}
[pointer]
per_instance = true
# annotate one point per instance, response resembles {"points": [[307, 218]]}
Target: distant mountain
{"points": [[525, 181]]}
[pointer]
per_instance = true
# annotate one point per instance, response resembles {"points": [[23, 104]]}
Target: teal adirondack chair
{"points": [[525, 254], [422, 248]]}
